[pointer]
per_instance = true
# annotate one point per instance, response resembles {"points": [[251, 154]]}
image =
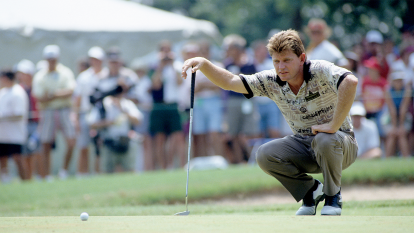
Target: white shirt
{"points": [[328, 52], [367, 136], [407, 69], [142, 94], [87, 81], [170, 85], [14, 102], [122, 125]]}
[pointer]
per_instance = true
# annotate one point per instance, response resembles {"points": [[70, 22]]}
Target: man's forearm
{"points": [[346, 96], [219, 76], [11, 118], [63, 93]]}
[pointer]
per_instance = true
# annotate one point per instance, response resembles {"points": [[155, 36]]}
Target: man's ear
{"points": [[302, 57]]}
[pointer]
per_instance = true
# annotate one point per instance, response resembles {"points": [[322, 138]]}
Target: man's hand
{"points": [[196, 63], [324, 128], [46, 98]]}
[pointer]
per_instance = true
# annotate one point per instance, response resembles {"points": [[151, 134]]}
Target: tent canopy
{"points": [[26, 26]]}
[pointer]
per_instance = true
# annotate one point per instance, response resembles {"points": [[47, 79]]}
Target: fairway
{"points": [[209, 223]]}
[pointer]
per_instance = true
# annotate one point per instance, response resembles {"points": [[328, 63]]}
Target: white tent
{"points": [[26, 26]]}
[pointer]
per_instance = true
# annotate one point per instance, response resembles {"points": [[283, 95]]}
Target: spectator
{"points": [[87, 82], [31, 156], [319, 47], [118, 73], [390, 51], [143, 100], [353, 66], [121, 114], [208, 107], [242, 119], [398, 120], [373, 92], [118, 79], [271, 118], [366, 133], [403, 64], [53, 88], [165, 122], [375, 40], [14, 106]]}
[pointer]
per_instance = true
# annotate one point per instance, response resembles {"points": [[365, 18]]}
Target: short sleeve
{"points": [[37, 88], [20, 105], [93, 116], [333, 73], [258, 84], [132, 109], [71, 82]]}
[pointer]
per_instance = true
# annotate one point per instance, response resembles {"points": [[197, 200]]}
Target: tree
{"points": [[253, 19]]}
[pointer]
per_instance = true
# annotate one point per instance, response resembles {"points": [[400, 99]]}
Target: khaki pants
{"points": [[289, 159]]}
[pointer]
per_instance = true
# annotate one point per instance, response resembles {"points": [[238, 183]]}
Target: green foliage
{"points": [[349, 19]]}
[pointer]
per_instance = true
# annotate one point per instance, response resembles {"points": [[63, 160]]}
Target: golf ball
{"points": [[84, 216]]}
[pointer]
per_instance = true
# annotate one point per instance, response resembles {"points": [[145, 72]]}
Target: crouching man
{"points": [[114, 122], [315, 98]]}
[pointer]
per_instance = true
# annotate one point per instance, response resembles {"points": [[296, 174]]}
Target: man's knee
{"points": [[324, 142], [263, 156]]}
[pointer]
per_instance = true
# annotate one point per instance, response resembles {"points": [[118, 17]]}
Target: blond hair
{"points": [[285, 41]]}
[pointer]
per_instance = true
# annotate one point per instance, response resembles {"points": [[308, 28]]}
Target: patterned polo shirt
{"points": [[315, 102]]}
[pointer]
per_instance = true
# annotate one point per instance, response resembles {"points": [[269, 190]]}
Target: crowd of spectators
{"points": [[111, 102]]}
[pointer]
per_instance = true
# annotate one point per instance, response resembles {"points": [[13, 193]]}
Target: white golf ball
{"points": [[84, 216]]}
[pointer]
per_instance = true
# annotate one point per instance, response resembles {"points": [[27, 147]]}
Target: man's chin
{"points": [[284, 78]]}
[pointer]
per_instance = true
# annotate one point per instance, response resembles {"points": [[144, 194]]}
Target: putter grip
{"points": [[193, 75]]}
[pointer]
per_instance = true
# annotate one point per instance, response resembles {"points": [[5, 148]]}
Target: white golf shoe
{"points": [[311, 200], [333, 205]]}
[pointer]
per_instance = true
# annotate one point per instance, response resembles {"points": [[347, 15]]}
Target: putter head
{"points": [[184, 213]]}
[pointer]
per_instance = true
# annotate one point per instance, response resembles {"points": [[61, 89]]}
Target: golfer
{"points": [[315, 98]]}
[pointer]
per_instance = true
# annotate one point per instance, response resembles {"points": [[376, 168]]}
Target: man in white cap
{"points": [[53, 88], [366, 133], [87, 82]]}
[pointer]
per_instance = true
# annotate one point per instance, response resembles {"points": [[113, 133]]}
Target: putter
{"points": [[186, 212]]}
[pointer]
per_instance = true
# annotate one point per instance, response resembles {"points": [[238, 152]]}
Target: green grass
{"points": [[163, 192]]}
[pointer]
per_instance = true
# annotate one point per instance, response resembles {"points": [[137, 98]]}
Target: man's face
{"points": [[95, 62], [52, 64], [25, 79], [260, 52], [317, 35], [3, 80], [114, 65], [288, 65], [356, 121], [233, 52]]}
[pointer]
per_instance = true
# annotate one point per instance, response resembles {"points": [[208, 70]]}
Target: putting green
{"points": [[208, 223]]}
